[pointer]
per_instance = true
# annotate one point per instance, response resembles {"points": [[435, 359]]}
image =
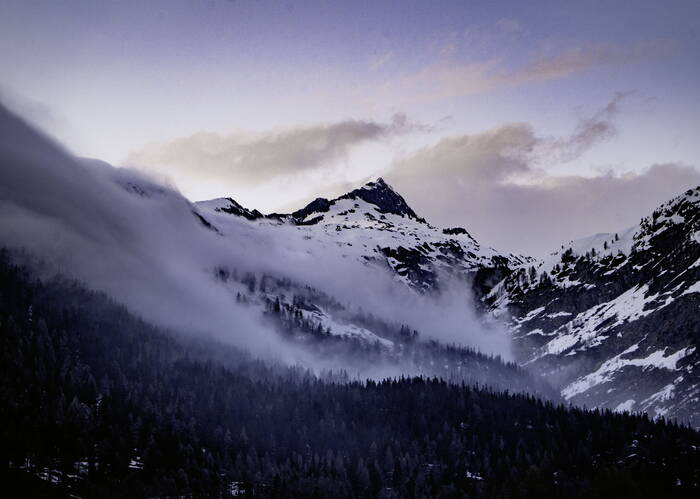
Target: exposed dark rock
{"points": [[620, 314], [318, 205], [384, 197], [235, 208]]}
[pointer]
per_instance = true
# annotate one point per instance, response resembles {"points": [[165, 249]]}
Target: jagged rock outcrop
{"points": [[375, 225], [614, 319]]}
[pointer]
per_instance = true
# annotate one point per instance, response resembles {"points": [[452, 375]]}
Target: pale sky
{"points": [[508, 118]]}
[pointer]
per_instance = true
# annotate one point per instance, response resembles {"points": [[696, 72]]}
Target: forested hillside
{"points": [[98, 403]]}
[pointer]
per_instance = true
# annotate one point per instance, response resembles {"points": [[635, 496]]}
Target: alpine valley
{"points": [[610, 320], [154, 346]]}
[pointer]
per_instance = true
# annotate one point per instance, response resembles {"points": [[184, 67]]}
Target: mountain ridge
{"points": [[610, 318], [613, 317], [416, 251], [612, 326]]}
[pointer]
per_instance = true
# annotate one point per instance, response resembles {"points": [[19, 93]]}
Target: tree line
{"points": [[97, 403]]}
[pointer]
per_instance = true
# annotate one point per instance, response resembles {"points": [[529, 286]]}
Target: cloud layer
{"points": [[502, 184], [453, 78], [121, 233], [495, 184], [251, 159]]}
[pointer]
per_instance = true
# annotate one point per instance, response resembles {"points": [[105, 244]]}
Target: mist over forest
{"points": [[332, 249]]}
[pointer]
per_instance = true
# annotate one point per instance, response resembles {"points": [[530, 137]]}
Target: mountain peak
{"points": [[384, 197], [377, 193], [378, 184]]}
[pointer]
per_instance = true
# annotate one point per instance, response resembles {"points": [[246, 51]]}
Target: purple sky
{"points": [[484, 114]]}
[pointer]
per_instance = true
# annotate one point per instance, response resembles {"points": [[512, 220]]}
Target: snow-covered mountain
{"points": [[363, 283], [614, 319], [373, 229], [339, 285], [611, 319], [375, 225]]}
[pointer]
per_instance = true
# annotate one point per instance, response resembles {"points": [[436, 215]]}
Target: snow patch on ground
{"points": [[625, 406], [695, 288], [535, 331], [663, 395], [345, 329], [585, 329], [531, 315], [604, 244], [606, 372], [473, 476], [559, 314]]}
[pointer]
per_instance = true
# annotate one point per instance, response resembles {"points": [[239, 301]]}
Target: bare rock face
{"points": [[614, 319]]}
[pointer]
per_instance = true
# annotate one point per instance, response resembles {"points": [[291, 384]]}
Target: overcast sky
{"points": [[529, 123]]}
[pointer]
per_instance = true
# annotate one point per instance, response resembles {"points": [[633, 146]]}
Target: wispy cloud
{"points": [[493, 183], [379, 60], [254, 158], [451, 78], [509, 25], [589, 131]]}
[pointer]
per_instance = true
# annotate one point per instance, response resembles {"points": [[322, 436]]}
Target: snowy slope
{"points": [[373, 225], [285, 287], [613, 318]]}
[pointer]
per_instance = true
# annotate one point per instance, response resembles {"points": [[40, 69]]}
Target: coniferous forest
{"points": [[97, 403]]}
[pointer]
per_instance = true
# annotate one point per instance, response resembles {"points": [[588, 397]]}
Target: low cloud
{"points": [[249, 159], [122, 233], [494, 184], [501, 184], [510, 151], [536, 218], [76, 217]]}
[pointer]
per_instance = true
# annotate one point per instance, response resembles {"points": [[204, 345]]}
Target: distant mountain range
{"points": [[611, 320], [364, 283], [375, 225]]}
